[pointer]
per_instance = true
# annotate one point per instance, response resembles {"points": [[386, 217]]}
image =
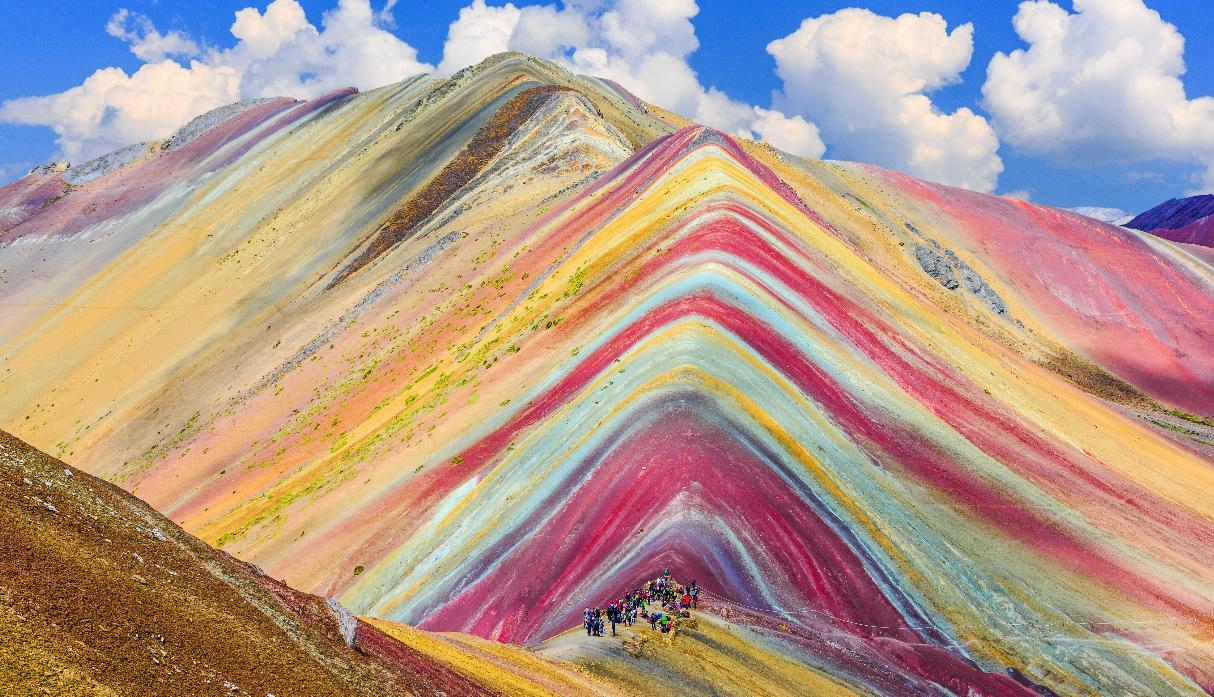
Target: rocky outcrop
{"points": [[50, 169], [205, 122], [107, 163], [946, 267], [977, 285], [935, 264]]}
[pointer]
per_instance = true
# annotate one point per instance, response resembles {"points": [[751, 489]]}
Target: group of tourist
{"points": [[673, 600]]}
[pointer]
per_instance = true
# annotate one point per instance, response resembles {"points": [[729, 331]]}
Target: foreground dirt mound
{"points": [[99, 594]]}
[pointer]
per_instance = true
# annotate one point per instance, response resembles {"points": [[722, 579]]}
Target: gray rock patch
{"points": [[100, 166], [936, 266], [205, 122], [346, 621], [49, 169], [977, 285], [946, 267]]}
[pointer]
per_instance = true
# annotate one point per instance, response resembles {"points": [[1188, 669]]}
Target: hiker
{"points": [[673, 598]]}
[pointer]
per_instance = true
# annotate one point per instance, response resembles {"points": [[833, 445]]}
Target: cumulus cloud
{"points": [[1098, 85], [278, 52], [479, 32], [147, 43], [790, 133], [640, 44], [111, 109], [864, 79]]}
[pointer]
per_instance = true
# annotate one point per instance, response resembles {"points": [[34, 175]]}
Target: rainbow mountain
{"points": [[472, 354]]}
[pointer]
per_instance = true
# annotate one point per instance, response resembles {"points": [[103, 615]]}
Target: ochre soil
{"points": [[101, 595]]}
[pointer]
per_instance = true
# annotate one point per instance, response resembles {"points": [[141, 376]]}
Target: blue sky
{"points": [[1102, 152]]}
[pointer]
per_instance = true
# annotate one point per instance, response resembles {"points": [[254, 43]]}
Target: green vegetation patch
{"points": [[1192, 418], [1173, 427]]}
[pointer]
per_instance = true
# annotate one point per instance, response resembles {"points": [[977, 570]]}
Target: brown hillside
{"points": [[101, 595]]}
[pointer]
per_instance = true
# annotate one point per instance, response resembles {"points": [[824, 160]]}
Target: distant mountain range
{"points": [[1189, 220], [1112, 216]]}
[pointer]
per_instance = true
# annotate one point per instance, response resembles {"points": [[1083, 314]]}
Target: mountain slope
{"points": [[473, 354], [102, 595]]}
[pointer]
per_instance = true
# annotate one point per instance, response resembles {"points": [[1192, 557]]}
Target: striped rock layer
{"points": [[473, 354]]}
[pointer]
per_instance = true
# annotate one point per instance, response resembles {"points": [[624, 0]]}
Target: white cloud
{"points": [[1099, 85], [261, 35], [278, 52], [146, 42], [479, 32], [790, 133], [641, 44], [545, 30], [1203, 183], [384, 16], [111, 109], [863, 79]]}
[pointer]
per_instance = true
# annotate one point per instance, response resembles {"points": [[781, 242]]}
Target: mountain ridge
{"points": [[1186, 220]]}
